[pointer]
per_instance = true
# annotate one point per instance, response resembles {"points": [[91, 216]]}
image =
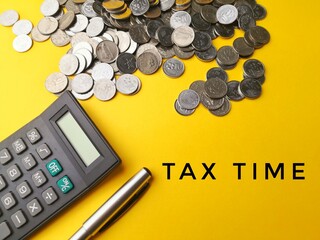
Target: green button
{"points": [[65, 184], [54, 167]]}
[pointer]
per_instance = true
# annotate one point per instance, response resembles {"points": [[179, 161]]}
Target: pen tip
{"points": [[148, 171]]}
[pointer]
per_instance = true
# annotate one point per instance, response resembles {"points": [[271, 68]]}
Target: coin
{"points": [[215, 88], [102, 71], [164, 35], [9, 17], [233, 91], [68, 64], [67, 20], [209, 103], [87, 55], [107, 51], [49, 7], [202, 41], [253, 68], [82, 96], [56, 82], [47, 25], [87, 9], [179, 19], [153, 26], [242, 47], [139, 34], [227, 56], [198, 23], [181, 54], [259, 34], [71, 6], [82, 83], [82, 63], [22, 43], [104, 89], [113, 5], [22, 27], [173, 67], [166, 52], [127, 84], [133, 47], [259, 12], [217, 72], [188, 99], [183, 36], [197, 86], [224, 31], [95, 27], [37, 36], [208, 55], [153, 13], [126, 63], [183, 111], [223, 110], [208, 13], [139, 7], [166, 4], [80, 23], [246, 21], [60, 38], [147, 63], [124, 41], [250, 88], [227, 14]]}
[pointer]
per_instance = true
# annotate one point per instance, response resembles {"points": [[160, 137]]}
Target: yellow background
{"points": [[145, 130]]}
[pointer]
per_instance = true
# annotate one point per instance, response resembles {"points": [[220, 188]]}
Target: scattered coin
{"points": [[69, 64], [188, 99], [22, 43], [102, 71], [227, 14], [250, 88], [37, 36], [173, 67], [56, 82], [8, 18], [223, 110], [128, 84], [127, 63], [48, 25], [82, 83], [22, 27], [104, 89]]}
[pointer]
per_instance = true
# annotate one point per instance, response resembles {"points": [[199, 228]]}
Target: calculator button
{"points": [[19, 146], [49, 196], [44, 151], [3, 183], [54, 167], [8, 201], [14, 172], [24, 189], [39, 178], [18, 219], [33, 136], [28, 162], [34, 207], [5, 156], [65, 184], [4, 230]]}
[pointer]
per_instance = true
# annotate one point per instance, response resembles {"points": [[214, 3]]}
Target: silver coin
{"points": [[47, 25], [82, 83], [49, 7], [71, 6], [58, 15], [148, 63], [166, 4], [95, 27], [102, 71], [127, 84], [173, 67], [80, 24], [104, 89], [113, 34], [107, 36], [56, 82], [209, 103], [69, 64], [9, 17], [38, 36], [183, 36], [22, 43], [107, 51], [82, 45], [22, 27], [215, 88], [197, 86], [139, 7], [82, 63], [59, 38], [253, 68], [180, 18], [223, 110], [183, 111], [87, 9], [87, 55], [144, 47], [66, 20], [83, 96], [227, 14], [166, 52], [188, 99], [157, 54], [124, 41], [133, 47]]}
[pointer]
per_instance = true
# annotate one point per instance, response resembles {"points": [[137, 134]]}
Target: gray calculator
{"points": [[47, 164]]}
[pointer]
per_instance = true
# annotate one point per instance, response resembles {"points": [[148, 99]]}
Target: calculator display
{"points": [[78, 139]]}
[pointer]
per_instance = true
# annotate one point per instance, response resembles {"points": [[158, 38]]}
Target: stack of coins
{"points": [[216, 92], [145, 34]]}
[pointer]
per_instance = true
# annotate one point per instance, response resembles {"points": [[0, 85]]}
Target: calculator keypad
{"points": [[22, 166]]}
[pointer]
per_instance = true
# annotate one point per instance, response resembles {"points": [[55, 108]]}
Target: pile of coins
{"points": [[123, 36], [216, 92]]}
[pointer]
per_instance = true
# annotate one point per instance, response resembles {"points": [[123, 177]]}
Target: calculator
{"points": [[49, 163]]}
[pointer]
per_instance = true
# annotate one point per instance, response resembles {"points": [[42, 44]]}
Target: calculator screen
{"points": [[78, 139]]}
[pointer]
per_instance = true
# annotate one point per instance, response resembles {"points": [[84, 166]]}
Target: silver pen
{"points": [[115, 206]]}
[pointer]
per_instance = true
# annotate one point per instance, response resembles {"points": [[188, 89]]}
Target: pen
{"points": [[115, 206]]}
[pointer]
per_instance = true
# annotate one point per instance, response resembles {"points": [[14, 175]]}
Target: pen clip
{"points": [[126, 207]]}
